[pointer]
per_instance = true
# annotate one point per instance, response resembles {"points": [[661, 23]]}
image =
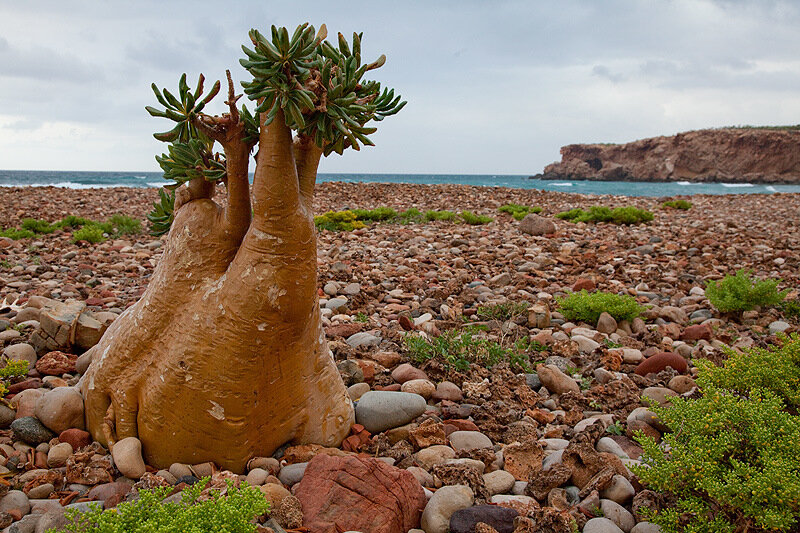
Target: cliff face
{"points": [[746, 155]]}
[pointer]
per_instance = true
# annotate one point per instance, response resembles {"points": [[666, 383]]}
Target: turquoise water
{"points": [[84, 180]]}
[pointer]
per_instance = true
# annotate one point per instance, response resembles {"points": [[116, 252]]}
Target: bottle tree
{"points": [[224, 356]]}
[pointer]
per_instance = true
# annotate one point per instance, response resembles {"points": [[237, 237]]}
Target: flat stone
{"points": [[469, 440], [601, 525], [378, 411], [499, 482], [444, 502], [291, 474], [363, 338], [500, 518]]}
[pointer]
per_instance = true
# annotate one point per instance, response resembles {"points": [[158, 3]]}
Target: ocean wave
{"points": [[737, 184], [65, 185], [156, 184], [684, 183], [562, 184], [770, 188]]}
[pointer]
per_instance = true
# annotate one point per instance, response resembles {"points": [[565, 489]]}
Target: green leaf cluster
{"points": [[776, 368], [320, 88], [163, 213], [459, 349], [587, 307], [125, 225], [92, 234], [742, 292], [729, 460], [116, 225], [338, 221], [504, 311], [17, 234], [618, 215], [379, 214], [13, 369], [231, 512], [678, 204], [442, 216], [37, 226], [474, 220], [519, 211], [791, 308], [358, 218]]}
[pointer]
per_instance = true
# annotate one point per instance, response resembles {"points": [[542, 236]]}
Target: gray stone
{"points": [[7, 415], [556, 381], [533, 381], [778, 326], [469, 440], [585, 344], [127, 455], [601, 525], [658, 394], [561, 362], [60, 409], [30, 430], [21, 352], [499, 482], [606, 323], [607, 444], [619, 490], [646, 527], [292, 474], [351, 289], [336, 303], [357, 391], [442, 505], [535, 225], [350, 371], [618, 514], [363, 338], [15, 499], [58, 454], [51, 520], [381, 410]]}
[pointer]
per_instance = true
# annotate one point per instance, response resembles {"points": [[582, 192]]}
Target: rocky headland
{"points": [[434, 447], [730, 155]]}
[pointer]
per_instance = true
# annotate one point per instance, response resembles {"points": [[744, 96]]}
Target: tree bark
{"points": [[224, 357]]}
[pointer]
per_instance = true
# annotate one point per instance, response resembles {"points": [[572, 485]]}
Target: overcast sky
{"points": [[493, 87]]}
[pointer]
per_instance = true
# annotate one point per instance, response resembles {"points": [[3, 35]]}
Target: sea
{"points": [[86, 180]]}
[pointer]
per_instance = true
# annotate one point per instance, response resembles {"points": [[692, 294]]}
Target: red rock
{"points": [[406, 372], [405, 323], [583, 284], [109, 493], [394, 387], [76, 437], [359, 493], [697, 332], [94, 301], [32, 383], [343, 330], [660, 361], [56, 363], [462, 425]]}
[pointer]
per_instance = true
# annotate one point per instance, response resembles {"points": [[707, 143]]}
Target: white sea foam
{"points": [[155, 183], [770, 188], [684, 183], [64, 185], [737, 184], [560, 184]]}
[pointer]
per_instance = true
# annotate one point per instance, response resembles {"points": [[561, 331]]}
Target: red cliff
{"points": [[735, 155]]}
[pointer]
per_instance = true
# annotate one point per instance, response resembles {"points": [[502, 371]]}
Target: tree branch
{"points": [[275, 189], [308, 155]]}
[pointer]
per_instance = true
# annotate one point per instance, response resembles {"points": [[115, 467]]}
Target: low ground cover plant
{"points": [[730, 463], [87, 229], [743, 292], [618, 215], [230, 513], [13, 369], [678, 204], [504, 311], [458, 349], [519, 211], [358, 218], [587, 307]]}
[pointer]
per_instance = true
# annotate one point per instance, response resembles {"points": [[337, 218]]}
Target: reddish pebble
{"points": [[660, 361], [405, 323], [32, 383], [394, 387], [583, 284], [76, 437], [463, 425], [697, 332]]}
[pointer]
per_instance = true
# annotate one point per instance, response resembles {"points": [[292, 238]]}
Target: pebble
{"points": [[58, 454], [619, 490], [646, 527], [30, 430], [442, 505], [15, 500], [423, 387], [381, 410], [61, 409], [498, 482], [469, 440], [406, 372], [601, 525], [127, 455], [555, 380], [609, 445], [434, 455], [357, 391], [618, 514], [21, 352], [292, 474], [363, 338], [778, 326]]}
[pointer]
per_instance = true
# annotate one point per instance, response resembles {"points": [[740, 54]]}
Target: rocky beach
{"points": [[532, 444]]}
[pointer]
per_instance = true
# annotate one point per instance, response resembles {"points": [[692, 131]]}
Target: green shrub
{"points": [[475, 220], [93, 234], [776, 368], [791, 308], [617, 215], [504, 311], [519, 211], [125, 225], [730, 461], [410, 215], [72, 221], [37, 226], [338, 221], [13, 369], [17, 234], [446, 216], [678, 204], [460, 349], [743, 292], [587, 307], [231, 513], [378, 214]]}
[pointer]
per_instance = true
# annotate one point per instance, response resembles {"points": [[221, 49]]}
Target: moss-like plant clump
{"points": [[505, 311], [618, 215], [17, 234], [338, 221], [446, 216], [38, 226], [458, 349], [475, 220], [731, 458], [519, 211], [587, 307], [14, 369], [125, 225], [92, 234], [232, 512], [678, 204], [742, 292]]}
